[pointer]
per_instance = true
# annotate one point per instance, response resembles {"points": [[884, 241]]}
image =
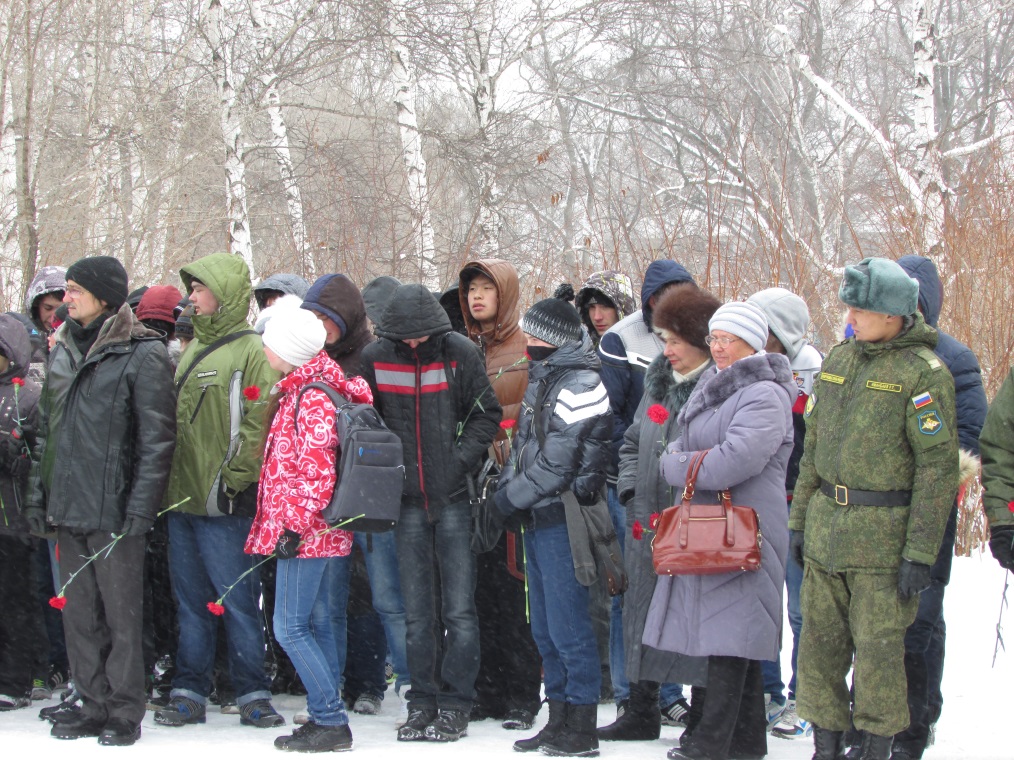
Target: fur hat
{"points": [[554, 321], [294, 335], [102, 276], [744, 320], [685, 313], [878, 285]]}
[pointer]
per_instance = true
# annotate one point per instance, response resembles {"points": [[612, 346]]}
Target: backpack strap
{"points": [[339, 401], [225, 339]]}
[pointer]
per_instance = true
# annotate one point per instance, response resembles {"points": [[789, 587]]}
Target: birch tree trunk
{"points": [[12, 279], [928, 169], [232, 134], [404, 75], [280, 138], [483, 102]]}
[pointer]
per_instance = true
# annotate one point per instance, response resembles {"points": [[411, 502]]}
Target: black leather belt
{"points": [[844, 496]]}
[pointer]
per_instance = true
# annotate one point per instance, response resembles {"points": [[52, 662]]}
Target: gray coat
{"points": [[643, 491], [743, 416]]}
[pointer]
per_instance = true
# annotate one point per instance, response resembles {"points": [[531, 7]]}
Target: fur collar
{"points": [[716, 387], [661, 385]]}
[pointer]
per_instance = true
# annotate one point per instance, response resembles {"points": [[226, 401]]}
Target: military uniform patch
{"points": [[930, 423], [923, 399], [810, 403], [876, 385], [836, 379]]}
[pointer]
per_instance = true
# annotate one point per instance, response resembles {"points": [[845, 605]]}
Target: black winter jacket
{"points": [[107, 428], [17, 412], [578, 425], [436, 398]]}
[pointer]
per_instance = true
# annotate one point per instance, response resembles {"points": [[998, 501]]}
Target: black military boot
{"points": [[827, 744], [557, 717], [641, 721], [577, 738], [875, 747]]}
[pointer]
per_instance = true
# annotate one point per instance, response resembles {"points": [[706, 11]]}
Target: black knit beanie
{"points": [[102, 276], [552, 320]]}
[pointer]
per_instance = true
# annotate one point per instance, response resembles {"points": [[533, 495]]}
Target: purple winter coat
{"points": [[743, 415]]}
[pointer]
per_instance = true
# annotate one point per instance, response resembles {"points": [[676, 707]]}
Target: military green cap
{"points": [[879, 285]]}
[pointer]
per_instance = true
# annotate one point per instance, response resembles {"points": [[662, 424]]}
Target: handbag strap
{"points": [[724, 496], [207, 350]]}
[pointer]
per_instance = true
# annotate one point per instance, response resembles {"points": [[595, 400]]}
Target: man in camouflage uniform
{"points": [[997, 446], [876, 483]]}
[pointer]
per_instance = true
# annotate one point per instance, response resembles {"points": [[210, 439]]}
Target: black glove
{"points": [[288, 544], [1001, 543], [796, 546], [36, 519], [136, 525], [19, 468], [913, 579], [625, 496]]}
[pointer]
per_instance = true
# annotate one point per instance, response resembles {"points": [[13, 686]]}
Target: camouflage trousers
{"points": [[853, 620]]}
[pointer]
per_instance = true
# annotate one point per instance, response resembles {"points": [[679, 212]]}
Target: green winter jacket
{"points": [[881, 418], [220, 431], [996, 446]]}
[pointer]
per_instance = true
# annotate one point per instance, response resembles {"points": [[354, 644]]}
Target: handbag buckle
{"points": [[841, 496]]}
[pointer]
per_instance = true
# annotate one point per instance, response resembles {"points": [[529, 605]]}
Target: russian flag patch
{"points": [[923, 399]]}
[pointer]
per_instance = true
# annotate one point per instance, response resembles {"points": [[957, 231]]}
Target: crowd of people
{"points": [[165, 463]]}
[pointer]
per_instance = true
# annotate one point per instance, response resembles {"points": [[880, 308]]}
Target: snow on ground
{"points": [[976, 721]]}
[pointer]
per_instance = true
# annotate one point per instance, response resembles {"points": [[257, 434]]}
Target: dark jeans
{"points": [[205, 557], [561, 623], [509, 669], [617, 666], [367, 656], [924, 649], [20, 617], [733, 723], [437, 571], [102, 621]]}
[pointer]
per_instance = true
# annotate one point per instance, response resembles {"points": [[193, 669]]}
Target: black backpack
{"points": [[371, 470]]}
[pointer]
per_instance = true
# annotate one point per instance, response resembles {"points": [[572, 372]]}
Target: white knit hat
{"points": [[744, 320], [295, 335]]}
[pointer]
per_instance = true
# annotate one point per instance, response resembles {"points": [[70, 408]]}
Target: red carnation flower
{"points": [[215, 608], [18, 382], [251, 393], [658, 413], [653, 520], [1010, 506], [638, 530], [58, 602], [508, 424]]}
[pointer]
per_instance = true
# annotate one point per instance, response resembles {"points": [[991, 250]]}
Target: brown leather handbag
{"points": [[705, 539]]}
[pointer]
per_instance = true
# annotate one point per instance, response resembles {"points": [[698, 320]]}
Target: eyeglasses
{"points": [[714, 340], [73, 292]]}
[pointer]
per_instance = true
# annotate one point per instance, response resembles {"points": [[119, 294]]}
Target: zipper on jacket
{"points": [[200, 400]]}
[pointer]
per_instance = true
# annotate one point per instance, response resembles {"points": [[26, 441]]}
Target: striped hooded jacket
{"points": [[435, 397]]}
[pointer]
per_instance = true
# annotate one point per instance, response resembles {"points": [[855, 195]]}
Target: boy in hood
{"points": [[605, 298]]}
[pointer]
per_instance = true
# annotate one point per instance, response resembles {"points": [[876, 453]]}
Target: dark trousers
{"points": [[102, 621], [733, 722], [20, 617], [509, 666], [51, 646]]}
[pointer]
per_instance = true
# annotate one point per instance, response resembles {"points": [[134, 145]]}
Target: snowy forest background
{"points": [[759, 142]]}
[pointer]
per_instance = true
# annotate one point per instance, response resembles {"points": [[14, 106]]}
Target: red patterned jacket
{"points": [[298, 476]]}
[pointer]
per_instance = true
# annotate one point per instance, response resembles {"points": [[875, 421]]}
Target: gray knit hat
{"points": [[879, 285], [744, 320], [787, 315], [554, 321]]}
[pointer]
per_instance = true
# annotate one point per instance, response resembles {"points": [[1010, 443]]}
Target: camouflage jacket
{"points": [[996, 443], [881, 418]]}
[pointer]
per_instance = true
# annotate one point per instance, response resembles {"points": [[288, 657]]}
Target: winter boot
{"points": [[827, 744], [875, 747], [641, 721], [312, 737], [557, 717], [577, 738], [693, 716], [449, 726]]}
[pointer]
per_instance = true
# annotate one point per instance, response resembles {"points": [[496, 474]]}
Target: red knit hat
{"points": [[158, 303]]}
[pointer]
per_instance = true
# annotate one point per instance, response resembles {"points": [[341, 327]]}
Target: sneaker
{"points": [[312, 737], [418, 720], [261, 714], [518, 720], [63, 711], [181, 711], [41, 690], [158, 701], [676, 713], [389, 675], [621, 707], [229, 707], [58, 678], [790, 725], [119, 732], [449, 726], [367, 704], [773, 709], [8, 702], [77, 727]]}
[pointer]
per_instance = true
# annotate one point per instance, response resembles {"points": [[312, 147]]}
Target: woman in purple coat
{"points": [[741, 413]]}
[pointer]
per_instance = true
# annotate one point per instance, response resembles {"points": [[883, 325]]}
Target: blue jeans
{"points": [[772, 669], [561, 623], [617, 667], [205, 557], [437, 570], [303, 626]]}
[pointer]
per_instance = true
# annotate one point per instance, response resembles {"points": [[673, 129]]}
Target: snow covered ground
{"points": [[977, 720]]}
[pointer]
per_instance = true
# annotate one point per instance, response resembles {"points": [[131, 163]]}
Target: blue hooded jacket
{"points": [[628, 348], [970, 396]]}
